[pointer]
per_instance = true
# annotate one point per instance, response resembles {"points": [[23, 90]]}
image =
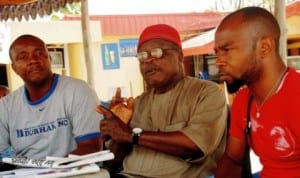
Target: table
{"points": [[103, 173]]}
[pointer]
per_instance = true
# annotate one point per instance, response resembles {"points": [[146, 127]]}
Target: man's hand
{"points": [[87, 146], [121, 107], [113, 126], [124, 110], [116, 119]]}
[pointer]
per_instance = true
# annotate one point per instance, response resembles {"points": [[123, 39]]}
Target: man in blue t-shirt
{"points": [[51, 115]]}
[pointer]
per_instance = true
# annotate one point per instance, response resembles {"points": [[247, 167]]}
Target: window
{"points": [[294, 61], [57, 56], [56, 59]]}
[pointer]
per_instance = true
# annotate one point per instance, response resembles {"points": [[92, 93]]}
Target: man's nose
{"points": [[220, 61], [34, 58], [149, 59]]}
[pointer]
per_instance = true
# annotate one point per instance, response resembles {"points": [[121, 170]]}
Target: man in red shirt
{"points": [[247, 46]]}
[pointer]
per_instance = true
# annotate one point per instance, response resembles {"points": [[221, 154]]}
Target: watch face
{"points": [[137, 130]]}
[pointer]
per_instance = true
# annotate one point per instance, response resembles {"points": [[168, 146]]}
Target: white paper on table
{"points": [[61, 163], [50, 173]]}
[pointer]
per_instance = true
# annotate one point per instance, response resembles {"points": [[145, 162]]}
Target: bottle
{"points": [[106, 56]]}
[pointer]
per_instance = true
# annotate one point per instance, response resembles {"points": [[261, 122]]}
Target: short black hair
{"points": [[261, 17]]}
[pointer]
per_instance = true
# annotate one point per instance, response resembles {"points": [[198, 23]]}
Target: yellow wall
{"points": [[77, 67], [14, 81], [293, 25]]}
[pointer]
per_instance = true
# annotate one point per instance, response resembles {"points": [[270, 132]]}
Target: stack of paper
{"points": [[57, 167]]}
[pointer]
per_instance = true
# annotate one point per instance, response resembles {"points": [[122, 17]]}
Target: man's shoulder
{"points": [[18, 93], [199, 81], [242, 97], [69, 78], [201, 85], [13, 99], [294, 75], [75, 87], [71, 82]]}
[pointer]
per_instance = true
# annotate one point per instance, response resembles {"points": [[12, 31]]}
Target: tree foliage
{"points": [[69, 9]]}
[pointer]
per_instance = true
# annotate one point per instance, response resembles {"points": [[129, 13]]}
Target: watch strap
{"points": [[135, 139]]}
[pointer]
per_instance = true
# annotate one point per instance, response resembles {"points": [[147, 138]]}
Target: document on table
{"points": [[51, 167], [60, 163], [48, 172]]}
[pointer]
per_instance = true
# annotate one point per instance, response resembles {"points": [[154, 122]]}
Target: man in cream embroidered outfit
{"points": [[178, 123]]}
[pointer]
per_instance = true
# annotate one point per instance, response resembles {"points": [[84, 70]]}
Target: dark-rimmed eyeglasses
{"points": [[156, 53]]}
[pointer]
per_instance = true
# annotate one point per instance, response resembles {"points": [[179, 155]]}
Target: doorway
{"points": [[3, 75]]}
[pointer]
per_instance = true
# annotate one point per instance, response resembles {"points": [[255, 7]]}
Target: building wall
{"points": [[293, 25], [127, 76]]}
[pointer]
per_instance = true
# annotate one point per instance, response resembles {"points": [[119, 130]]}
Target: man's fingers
{"points": [[130, 103], [118, 93], [117, 98], [106, 112]]}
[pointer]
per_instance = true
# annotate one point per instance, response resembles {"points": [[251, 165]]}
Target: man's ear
{"points": [[266, 44], [180, 56]]}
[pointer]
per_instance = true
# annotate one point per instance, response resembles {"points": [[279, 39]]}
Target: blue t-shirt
{"points": [[52, 125]]}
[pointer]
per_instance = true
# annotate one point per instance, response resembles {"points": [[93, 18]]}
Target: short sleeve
{"points": [[85, 120]]}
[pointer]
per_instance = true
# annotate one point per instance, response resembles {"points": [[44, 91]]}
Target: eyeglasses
{"points": [[156, 53]]}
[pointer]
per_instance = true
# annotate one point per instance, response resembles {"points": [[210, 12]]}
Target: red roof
{"points": [[293, 9], [134, 24], [183, 22]]}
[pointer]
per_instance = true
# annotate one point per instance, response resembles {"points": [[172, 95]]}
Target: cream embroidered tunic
{"points": [[195, 107]]}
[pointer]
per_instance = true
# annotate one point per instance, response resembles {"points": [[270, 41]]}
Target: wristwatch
{"points": [[136, 133]]}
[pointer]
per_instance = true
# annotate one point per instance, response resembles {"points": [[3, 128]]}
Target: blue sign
{"points": [[128, 47], [110, 56]]}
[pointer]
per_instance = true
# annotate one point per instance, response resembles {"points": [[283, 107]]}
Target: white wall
{"points": [[128, 77], [55, 31]]}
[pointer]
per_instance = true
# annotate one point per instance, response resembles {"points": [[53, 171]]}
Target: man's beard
{"points": [[235, 85]]}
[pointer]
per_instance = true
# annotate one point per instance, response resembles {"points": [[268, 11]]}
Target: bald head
{"points": [[27, 38], [258, 21]]}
